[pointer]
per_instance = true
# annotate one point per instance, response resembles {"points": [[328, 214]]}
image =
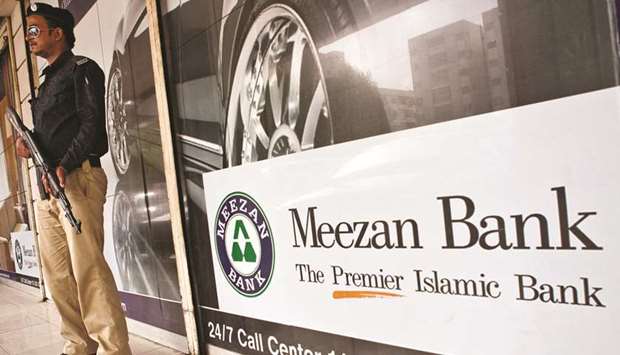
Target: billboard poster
{"points": [[23, 253], [413, 85], [495, 232]]}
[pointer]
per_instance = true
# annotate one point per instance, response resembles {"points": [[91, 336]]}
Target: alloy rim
{"points": [[117, 122], [279, 103], [128, 245]]}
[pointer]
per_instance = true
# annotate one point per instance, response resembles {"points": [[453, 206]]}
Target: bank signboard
{"points": [[486, 235], [24, 255], [425, 191]]}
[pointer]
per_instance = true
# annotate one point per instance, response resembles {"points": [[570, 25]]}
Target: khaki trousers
{"points": [[75, 271]]}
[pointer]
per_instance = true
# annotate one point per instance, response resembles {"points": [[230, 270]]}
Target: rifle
{"points": [[44, 167]]}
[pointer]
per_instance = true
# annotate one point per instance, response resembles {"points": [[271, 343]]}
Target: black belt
{"points": [[95, 162]]}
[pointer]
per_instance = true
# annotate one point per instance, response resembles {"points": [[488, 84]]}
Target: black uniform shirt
{"points": [[69, 113]]}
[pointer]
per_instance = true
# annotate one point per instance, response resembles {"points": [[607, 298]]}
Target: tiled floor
{"points": [[30, 327]]}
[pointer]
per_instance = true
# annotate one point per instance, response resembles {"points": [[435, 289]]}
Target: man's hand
{"points": [[22, 149], [61, 174], [46, 185]]}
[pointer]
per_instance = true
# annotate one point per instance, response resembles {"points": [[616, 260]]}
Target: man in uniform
{"points": [[69, 127]]}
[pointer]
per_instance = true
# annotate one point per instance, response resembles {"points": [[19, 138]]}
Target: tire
{"points": [[131, 249], [141, 269], [285, 96], [120, 141]]}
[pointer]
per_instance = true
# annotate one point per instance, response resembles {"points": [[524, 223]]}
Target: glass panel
{"points": [[15, 259], [141, 233]]}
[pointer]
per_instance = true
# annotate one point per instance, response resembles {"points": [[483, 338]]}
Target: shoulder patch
{"points": [[82, 61]]}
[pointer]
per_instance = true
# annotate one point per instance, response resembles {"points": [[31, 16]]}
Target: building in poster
{"points": [[556, 49], [449, 72], [401, 109], [501, 87]]}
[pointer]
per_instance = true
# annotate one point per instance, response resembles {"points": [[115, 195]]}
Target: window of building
{"points": [[435, 41], [466, 89], [441, 95], [461, 35], [465, 81], [496, 72], [493, 62], [492, 54], [404, 100], [492, 44], [468, 53], [408, 113], [468, 107], [495, 81], [438, 59], [440, 76], [443, 112]]}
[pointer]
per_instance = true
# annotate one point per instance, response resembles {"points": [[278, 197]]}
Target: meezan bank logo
{"points": [[244, 244]]}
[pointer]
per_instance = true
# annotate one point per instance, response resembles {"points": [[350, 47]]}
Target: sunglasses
{"points": [[34, 31]]}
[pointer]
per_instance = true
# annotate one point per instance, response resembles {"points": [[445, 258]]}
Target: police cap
{"points": [[60, 17]]}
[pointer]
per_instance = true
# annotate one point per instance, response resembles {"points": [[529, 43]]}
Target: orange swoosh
{"points": [[363, 294]]}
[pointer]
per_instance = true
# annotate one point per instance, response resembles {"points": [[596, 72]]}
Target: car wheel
{"points": [[117, 123], [281, 100], [130, 248]]}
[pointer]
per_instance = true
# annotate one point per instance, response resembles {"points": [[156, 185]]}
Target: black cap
{"points": [[63, 18]]}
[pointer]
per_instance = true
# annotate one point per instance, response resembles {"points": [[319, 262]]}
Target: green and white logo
{"points": [[244, 244]]}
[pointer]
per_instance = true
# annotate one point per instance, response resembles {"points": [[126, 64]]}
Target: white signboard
{"points": [[495, 234], [24, 254]]}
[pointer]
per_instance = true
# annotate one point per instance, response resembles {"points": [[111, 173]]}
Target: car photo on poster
{"points": [[264, 91], [278, 95], [142, 238]]}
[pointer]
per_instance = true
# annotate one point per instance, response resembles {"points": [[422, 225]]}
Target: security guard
{"points": [[69, 126]]}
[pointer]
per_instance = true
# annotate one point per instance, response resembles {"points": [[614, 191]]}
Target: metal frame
{"points": [[167, 140]]}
